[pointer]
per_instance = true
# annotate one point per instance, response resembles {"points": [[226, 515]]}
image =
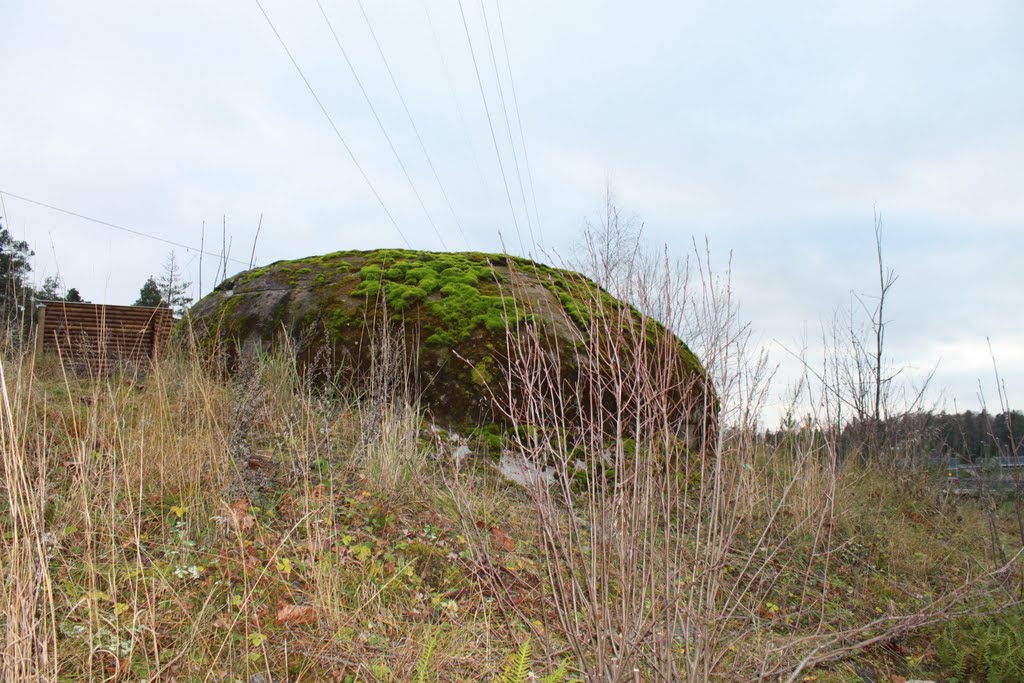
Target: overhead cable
{"points": [[490, 124], [115, 226], [334, 127], [380, 124], [412, 122], [519, 121], [508, 125]]}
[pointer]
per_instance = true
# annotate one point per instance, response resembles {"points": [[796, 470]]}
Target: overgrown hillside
{"points": [[179, 524]]}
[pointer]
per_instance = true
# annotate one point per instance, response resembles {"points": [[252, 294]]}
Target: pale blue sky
{"points": [[774, 129]]}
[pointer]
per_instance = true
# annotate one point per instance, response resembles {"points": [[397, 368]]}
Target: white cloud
{"points": [[774, 130]]}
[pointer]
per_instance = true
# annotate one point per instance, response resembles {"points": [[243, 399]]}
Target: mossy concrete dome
{"points": [[455, 311]]}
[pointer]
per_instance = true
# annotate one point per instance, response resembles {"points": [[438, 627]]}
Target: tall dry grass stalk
{"points": [[678, 544], [389, 452], [26, 588], [633, 530], [83, 459], [673, 549]]}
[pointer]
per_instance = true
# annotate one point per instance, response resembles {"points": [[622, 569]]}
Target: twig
{"points": [[252, 257]]}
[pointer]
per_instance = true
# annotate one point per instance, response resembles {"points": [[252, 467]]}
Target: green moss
{"points": [[246, 277], [229, 306], [279, 313], [489, 437], [338, 321], [451, 289], [454, 300], [401, 297], [576, 311], [433, 567], [228, 320], [452, 294], [484, 372], [463, 308]]}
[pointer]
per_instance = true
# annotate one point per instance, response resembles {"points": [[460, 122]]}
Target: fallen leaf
{"points": [[502, 540], [296, 614], [240, 517]]}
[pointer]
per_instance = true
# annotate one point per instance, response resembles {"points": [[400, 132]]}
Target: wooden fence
{"points": [[96, 337]]}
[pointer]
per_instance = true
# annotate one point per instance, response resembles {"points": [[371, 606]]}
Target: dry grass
{"points": [[180, 525], [721, 557]]}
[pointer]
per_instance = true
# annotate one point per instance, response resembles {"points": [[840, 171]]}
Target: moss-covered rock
{"points": [[454, 309]]}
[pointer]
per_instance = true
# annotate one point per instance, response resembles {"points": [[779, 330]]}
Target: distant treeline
{"points": [[935, 437], [974, 436]]}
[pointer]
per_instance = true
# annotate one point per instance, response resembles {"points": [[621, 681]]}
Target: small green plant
{"points": [[989, 649], [518, 667], [423, 664], [560, 674]]}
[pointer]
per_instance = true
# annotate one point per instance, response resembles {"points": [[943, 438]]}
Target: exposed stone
{"points": [[452, 311]]}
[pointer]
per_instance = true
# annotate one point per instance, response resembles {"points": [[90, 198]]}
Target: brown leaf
{"points": [[502, 540], [296, 614], [240, 517]]}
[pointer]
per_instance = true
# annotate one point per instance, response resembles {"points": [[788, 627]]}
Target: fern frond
{"points": [[425, 660], [559, 674], [518, 668]]}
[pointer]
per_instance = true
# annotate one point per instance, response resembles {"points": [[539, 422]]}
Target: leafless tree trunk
{"points": [[858, 379]]}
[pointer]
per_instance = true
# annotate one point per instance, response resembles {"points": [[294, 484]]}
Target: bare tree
{"points": [[861, 388], [611, 246], [664, 554], [173, 288]]}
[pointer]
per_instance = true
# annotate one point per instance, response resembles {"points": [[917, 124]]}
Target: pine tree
{"points": [[149, 295], [50, 289], [167, 291], [14, 270]]}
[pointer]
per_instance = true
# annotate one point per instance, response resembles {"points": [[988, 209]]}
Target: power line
{"points": [[380, 123], [455, 99], [330, 120], [412, 123], [519, 121], [508, 125], [115, 226], [490, 124]]}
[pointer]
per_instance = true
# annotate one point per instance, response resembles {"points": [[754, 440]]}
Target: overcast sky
{"points": [[775, 130]]}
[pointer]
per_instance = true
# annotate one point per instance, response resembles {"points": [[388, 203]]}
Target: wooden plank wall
{"points": [[97, 337]]}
